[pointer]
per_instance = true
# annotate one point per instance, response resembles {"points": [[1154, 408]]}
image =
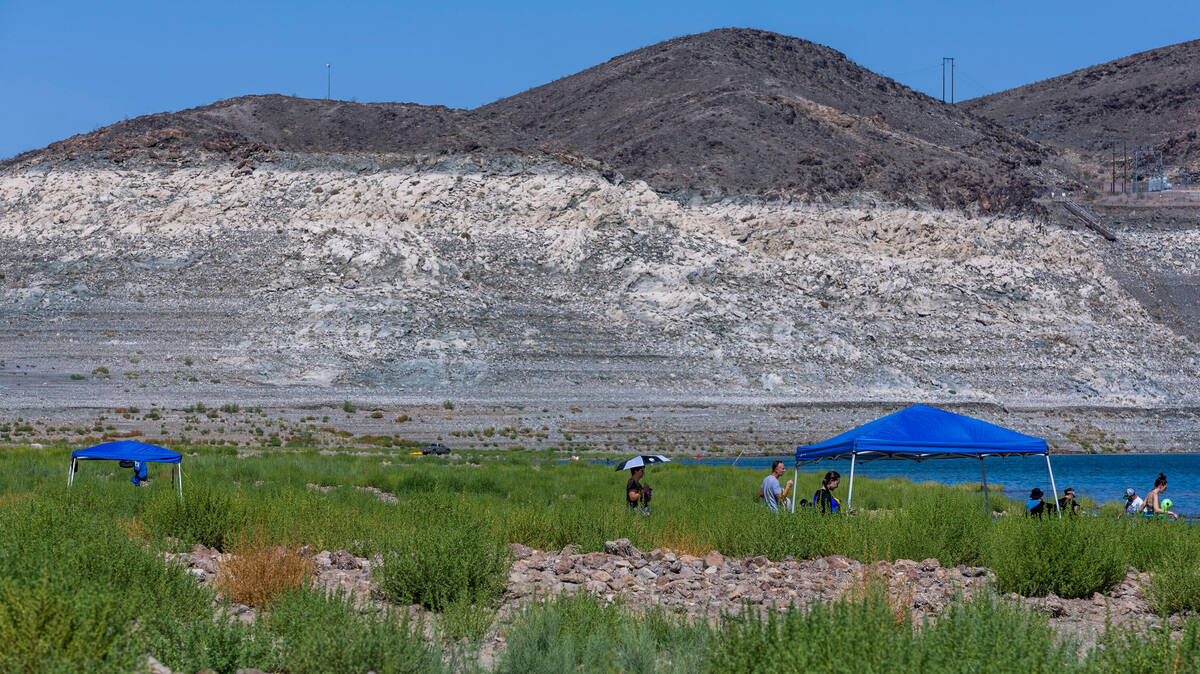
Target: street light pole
{"points": [[328, 81]]}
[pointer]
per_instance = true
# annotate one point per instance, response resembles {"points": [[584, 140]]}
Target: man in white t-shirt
{"points": [[1133, 503], [772, 493]]}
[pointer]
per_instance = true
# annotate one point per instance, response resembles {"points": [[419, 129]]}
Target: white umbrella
{"points": [[643, 460]]}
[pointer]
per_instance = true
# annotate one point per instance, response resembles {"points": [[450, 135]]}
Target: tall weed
{"points": [[451, 554], [1072, 557]]}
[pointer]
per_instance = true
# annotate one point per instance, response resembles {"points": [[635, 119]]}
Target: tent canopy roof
{"points": [[921, 432], [128, 449]]}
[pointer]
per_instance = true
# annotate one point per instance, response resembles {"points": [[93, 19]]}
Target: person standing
{"points": [[637, 496], [823, 499], [1133, 503], [772, 492], [1151, 505]]}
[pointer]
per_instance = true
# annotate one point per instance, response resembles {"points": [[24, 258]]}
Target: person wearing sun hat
{"points": [[1035, 506], [1133, 503]]}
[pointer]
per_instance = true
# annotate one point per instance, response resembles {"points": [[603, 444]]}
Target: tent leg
{"points": [[1052, 487], [850, 496], [986, 501], [795, 487], [180, 469]]}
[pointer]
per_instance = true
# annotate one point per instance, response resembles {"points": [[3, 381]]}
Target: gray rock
{"points": [[621, 547]]}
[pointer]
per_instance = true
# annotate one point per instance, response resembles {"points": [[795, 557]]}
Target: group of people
{"points": [[779, 495], [776, 495], [823, 501], [1151, 506]]}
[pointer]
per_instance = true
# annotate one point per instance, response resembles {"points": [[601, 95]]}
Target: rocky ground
{"points": [[713, 585]]}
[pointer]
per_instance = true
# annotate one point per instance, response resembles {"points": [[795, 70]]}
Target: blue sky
{"points": [[70, 67]]}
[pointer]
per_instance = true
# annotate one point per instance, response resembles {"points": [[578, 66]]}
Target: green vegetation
{"points": [[83, 586]]}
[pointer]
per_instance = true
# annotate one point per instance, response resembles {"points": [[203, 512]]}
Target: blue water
{"points": [[1100, 477]]}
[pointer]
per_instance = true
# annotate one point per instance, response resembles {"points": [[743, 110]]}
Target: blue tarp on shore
{"points": [[919, 433]]}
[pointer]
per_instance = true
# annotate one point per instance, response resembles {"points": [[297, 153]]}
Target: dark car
{"points": [[436, 448]]}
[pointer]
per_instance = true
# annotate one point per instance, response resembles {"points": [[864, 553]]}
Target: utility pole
{"points": [[946, 59], [328, 81]]}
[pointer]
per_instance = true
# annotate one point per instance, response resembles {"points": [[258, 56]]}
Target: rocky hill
{"points": [[633, 232], [731, 113], [1152, 98]]}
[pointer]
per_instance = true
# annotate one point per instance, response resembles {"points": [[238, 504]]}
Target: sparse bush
{"points": [[348, 407], [77, 377], [463, 619], [447, 405], [258, 571]]}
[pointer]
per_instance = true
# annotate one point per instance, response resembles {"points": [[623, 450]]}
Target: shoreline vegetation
{"points": [[84, 585]]}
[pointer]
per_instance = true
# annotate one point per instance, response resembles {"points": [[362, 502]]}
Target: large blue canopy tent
{"points": [[129, 450], [919, 433]]}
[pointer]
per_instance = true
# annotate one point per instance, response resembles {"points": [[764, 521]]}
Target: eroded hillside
{"points": [[501, 274]]}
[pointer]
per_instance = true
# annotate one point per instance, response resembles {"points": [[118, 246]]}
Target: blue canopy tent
{"points": [[919, 433], [129, 450]]}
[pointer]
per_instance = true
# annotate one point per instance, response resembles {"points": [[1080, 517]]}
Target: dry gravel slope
{"points": [[501, 274]]}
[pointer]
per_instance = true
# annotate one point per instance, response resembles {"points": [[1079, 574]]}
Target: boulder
{"points": [[344, 560], [621, 547]]}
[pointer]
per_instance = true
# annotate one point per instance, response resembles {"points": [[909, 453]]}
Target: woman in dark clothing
{"points": [[823, 499], [1035, 506], [635, 494]]}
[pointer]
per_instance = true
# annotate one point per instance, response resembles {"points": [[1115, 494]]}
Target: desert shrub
{"points": [[1148, 650], [855, 635], [1072, 557], [1175, 586], [219, 645], [206, 516], [257, 571], [451, 554], [986, 634], [462, 619], [578, 633], [326, 634], [947, 524], [44, 628]]}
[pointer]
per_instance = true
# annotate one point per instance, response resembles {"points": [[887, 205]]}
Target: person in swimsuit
{"points": [[1151, 506]]}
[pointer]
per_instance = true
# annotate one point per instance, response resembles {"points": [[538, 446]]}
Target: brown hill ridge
{"points": [[1152, 98], [727, 113]]}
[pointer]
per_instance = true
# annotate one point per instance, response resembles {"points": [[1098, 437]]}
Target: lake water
{"points": [[1098, 476]]}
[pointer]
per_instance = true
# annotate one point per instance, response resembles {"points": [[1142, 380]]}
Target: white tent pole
{"points": [[795, 487], [181, 481], [71, 472], [986, 502], [1052, 487], [850, 496]]}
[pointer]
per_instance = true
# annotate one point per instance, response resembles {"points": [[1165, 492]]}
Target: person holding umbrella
{"points": [[637, 495]]}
